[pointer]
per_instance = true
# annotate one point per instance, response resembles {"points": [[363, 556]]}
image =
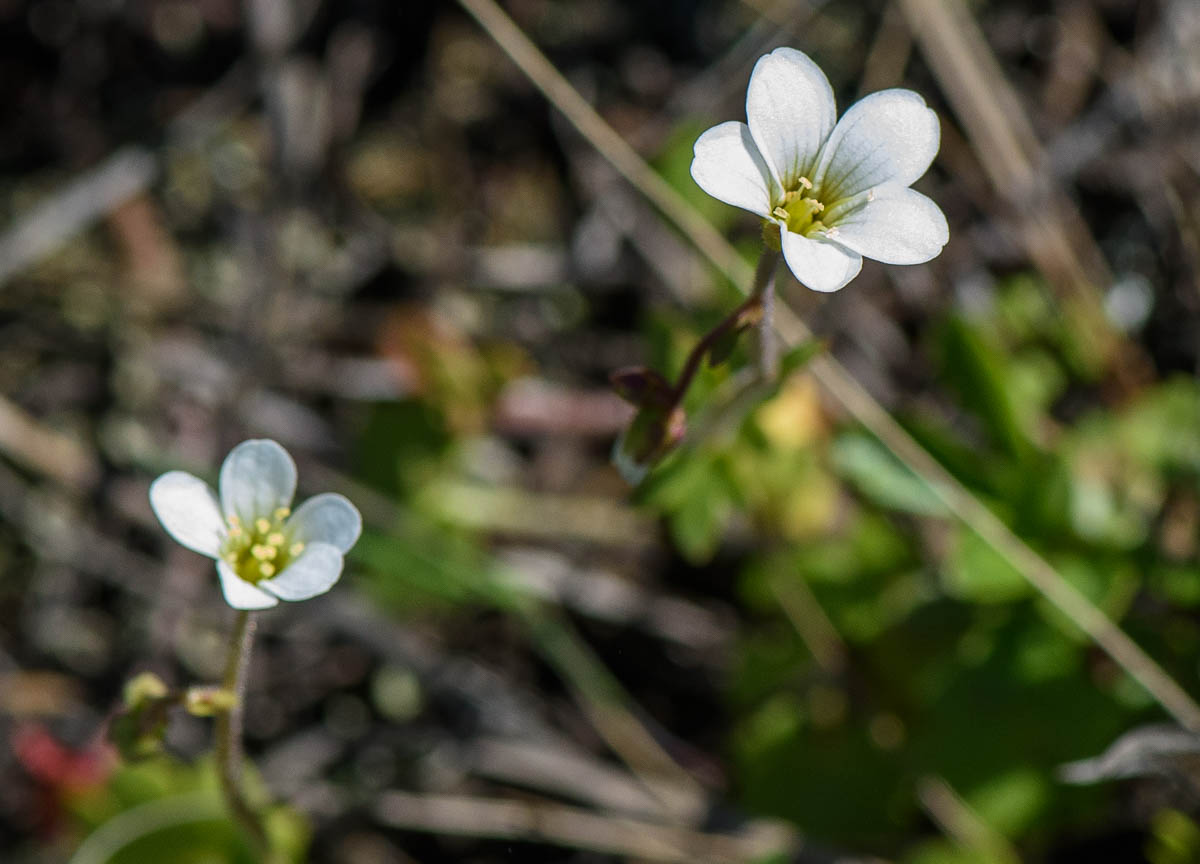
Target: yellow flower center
{"points": [[261, 549], [799, 208]]}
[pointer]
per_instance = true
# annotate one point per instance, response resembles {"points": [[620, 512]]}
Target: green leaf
{"points": [[975, 572], [879, 476]]}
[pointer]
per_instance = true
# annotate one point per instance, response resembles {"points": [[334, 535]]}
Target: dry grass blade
{"points": [[576, 828], [834, 377]]}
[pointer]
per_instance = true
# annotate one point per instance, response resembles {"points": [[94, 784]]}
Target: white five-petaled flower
{"points": [[265, 553], [838, 193]]}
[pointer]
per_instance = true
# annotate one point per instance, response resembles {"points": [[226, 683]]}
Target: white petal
{"points": [[791, 110], [728, 166], [896, 226], [188, 510], [313, 573], [257, 478], [326, 518], [887, 137], [239, 593], [821, 265]]}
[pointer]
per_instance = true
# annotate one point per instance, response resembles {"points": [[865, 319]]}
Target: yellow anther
{"points": [[283, 512], [262, 553], [805, 182], [817, 205], [261, 525], [235, 531], [780, 213], [275, 538], [233, 519], [831, 232], [266, 569], [296, 549]]}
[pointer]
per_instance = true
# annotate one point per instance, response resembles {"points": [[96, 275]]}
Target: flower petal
{"points": [[188, 510], [728, 166], [821, 265], [239, 593], [887, 137], [326, 518], [791, 110], [897, 225], [313, 573], [257, 478]]}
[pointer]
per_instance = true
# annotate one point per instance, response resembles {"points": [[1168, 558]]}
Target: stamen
{"points": [[283, 512], [261, 525], [233, 519], [296, 549], [831, 232], [267, 570], [275, 538], [262, 553], [234, 531]]}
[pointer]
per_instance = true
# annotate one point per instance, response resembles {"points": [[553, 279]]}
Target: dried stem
{"points": [[229, 732]]}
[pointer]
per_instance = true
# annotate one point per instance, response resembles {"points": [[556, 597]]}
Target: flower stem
{"points": [[229, 732], [764, 287], [761, 298]]}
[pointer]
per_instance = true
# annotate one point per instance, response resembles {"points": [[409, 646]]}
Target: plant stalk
{"points": [[762, 298], [229, 732]]}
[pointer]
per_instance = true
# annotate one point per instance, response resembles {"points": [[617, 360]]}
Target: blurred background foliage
{"points": [[356, 228]]}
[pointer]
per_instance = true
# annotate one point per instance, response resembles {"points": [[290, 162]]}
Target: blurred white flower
{"points": [[837, 192], [264, 552]]}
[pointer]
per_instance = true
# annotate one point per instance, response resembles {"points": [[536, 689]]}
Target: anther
{"points": [[266, 569], [275, 538], [870, 194], [283, 512], [261, 525], [233, 519], [262, 553], [805, 182], [296, 549]]}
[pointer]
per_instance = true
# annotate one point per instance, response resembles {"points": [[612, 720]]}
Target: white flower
{"points": [[265, 553], [838, 192]]}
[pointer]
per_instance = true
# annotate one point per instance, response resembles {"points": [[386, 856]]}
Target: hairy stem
{"points": [[761, 298], [764, 287], [229, 732]]}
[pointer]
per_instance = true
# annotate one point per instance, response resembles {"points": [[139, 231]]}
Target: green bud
{"points": [[144, 687], [208, 701]]}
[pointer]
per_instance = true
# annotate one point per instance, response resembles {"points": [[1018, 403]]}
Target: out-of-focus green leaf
{"points": [[876, 473], [975, 572], [978, 371], [1175, 839], [1011, 801]]}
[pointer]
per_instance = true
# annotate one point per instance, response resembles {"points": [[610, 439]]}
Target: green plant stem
{"points": [[762, 298], [764, 287], [229, 732]]}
